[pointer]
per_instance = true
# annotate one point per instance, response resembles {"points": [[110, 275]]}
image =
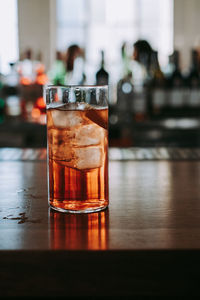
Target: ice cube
{"points": [[88, 157], [88, 135], [64, 154], [60, 147], [66, 118]]}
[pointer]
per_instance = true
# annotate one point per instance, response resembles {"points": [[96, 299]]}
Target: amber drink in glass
{"points": [[77, 135]]}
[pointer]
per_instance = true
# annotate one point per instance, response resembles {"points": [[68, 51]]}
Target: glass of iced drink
{"points": [[77, 131]]}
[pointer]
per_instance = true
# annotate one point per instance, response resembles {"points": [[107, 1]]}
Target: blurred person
{"points": [[74, 65], [142, 62], [142, 53]]}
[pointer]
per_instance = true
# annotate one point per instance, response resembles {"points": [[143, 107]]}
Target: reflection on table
{"points": [[74, 231]]}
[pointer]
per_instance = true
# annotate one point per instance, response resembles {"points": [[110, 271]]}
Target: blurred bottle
{"points": [[139, 104], [11, 82], [193, 81], [125, 95], [38, 112], [2, 110], [193, 76], [39, 107], [39, 68], [176, 84], [126, 69], [141, 67], [157, 88], [13, 106], [58, 71], [26, 69], [156, 74], [102, 76], [12, 79], [11, 93], [168, 70], [122, 129]]}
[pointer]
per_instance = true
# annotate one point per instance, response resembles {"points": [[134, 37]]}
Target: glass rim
{"points": [[49, 86]]}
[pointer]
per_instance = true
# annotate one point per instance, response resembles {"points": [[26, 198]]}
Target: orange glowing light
{"points": [[25, 81], [40, 102], [139, 117], [41, 79], [35, 113], [40, 69]]}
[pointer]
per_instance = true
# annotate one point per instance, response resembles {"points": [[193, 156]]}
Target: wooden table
{"points": [[146, 243]]}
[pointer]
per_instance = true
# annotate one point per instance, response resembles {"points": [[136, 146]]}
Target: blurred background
{"points": [[148, 51]]}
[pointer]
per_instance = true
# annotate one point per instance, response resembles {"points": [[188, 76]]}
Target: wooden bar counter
{"points": [[146, 243]]}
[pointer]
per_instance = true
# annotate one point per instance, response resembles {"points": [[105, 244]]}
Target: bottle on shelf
{"points": [[102, 76], [141, 81], [193, 82], [193, 78], [125, 94], [11, 92], [41, 77], [176, 92], [157, 88], [139, 104], [124, 110], [26, 69], [12, 79], [58, 72], [125, 61]]}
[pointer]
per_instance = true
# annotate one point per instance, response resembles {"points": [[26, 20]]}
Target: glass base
{"points": [[83, 211]]}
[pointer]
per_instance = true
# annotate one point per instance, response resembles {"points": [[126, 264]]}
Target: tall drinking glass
{"points": [[77, 130]]}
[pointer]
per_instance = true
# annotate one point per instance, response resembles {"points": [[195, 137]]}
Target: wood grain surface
{"points": [[146, 243]]}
